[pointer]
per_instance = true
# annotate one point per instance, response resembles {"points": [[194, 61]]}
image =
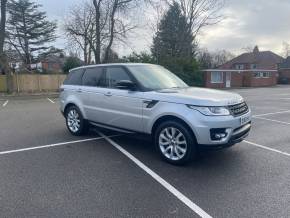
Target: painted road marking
{"points": [[5, 103], [50, 100], [267, 148], [55, 145], [277, 121], [195, 208], [278, 112]]}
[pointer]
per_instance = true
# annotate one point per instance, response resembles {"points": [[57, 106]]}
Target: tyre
{"points": [[75, 122], [175, 142]]}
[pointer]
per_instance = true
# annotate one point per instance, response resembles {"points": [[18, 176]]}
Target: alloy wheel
{"points": [[73, 120], [172, 143]]}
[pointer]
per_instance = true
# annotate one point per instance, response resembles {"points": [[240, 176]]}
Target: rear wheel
{"points": [[175, 142], [75, 122]]}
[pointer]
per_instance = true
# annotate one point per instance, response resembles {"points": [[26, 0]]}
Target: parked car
{"points": [[150, 99]]}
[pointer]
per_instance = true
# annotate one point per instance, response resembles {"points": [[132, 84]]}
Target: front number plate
{"points": [[245, 119]]}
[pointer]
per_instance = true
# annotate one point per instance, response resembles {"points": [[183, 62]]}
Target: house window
{"points": [[257, 75], [262, 74], [216, 77], [266, 74], [253, 66], [239, 66]]}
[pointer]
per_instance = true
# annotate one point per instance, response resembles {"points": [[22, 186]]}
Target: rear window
{"points": [[92, 76], [74, 77]]}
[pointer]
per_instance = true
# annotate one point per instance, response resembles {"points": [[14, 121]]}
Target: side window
{"points": [[92, 76], [115, 74], [74, 77], [102, 81]]}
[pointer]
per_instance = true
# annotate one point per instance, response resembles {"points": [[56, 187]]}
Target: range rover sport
{"points": [[150, 99]]}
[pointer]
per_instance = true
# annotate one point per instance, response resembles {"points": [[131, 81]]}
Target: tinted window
{"points": [[102, 81], [92, 76], [115, 74], [74, 77]]}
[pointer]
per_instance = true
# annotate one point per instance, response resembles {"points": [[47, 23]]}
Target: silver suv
{"points": [[149, 99]]}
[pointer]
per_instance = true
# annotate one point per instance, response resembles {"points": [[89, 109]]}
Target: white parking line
{"points": [[277, 121], [5, 103], [54, 145], [267, 148], [50, 100], [278, 112], [195, 208]]}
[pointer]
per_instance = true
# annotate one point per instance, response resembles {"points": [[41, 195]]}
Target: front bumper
{"points": [[235, 131], [237, 136]]}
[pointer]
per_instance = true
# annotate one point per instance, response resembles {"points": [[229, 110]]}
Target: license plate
{"points": [[244, 119]]}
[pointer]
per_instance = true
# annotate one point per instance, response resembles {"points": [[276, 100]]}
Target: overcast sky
{"points": [[265, 23]]}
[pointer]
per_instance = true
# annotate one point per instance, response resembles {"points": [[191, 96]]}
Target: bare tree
{"points": [[213, 59], [248, 48], [200, 13], [107, 22], [286, 49], [80, 29], [220, 57]]}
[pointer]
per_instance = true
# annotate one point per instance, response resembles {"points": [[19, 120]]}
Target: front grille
{"points": [[238, 109]]}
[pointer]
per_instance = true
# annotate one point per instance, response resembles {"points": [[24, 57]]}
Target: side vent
{"points": [[150, 103]]}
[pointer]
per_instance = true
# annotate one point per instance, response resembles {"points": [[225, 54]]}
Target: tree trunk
{"points": [[3, 59], [97, 51], [108, 49], [2, 25], [86, 51]]}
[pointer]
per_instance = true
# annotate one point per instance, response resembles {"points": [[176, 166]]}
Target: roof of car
{"points": [[111, 64]]}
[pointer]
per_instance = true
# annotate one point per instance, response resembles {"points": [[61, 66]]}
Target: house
{"points": [[254, 69], [284, 71], [52, 63]]}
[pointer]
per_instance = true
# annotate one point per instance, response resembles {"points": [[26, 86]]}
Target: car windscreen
{"points": [[154, 77]]}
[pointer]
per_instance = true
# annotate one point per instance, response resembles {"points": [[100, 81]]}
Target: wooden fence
{"points": [[3, 83], [33, 82]]}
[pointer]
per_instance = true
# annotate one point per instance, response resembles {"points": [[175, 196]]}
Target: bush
{"points": [[70, 63]]}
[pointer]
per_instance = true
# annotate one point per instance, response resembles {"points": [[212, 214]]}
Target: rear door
{"points": [[93, 84], [73, 86], [123, 108]]}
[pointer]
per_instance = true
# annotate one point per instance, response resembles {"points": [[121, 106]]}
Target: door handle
{"points": [[108, 94]]}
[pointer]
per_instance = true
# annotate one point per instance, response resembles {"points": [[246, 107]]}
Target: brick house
{"points": [[53, 63], [284, 71], [254, 69]]}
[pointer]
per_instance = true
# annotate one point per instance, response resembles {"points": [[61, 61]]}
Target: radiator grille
{"points": [[239, 109]]}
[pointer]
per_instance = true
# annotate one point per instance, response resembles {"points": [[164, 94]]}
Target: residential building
{"points": [[284, 71], [254, 69]]}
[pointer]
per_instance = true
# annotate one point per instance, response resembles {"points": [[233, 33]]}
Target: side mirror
{"points": [[126, 84]]}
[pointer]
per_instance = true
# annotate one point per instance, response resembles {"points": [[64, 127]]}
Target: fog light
{"points": [[218, 134]]}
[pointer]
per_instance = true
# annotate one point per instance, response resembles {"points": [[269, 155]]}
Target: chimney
{"points": [[256, 50]]}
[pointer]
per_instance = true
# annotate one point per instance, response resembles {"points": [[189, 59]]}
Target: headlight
{"points": [[211, 111]]}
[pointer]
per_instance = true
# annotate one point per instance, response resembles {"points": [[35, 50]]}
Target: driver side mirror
{"points": [[126, 84]]}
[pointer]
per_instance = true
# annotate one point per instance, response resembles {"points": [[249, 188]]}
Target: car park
{"points": [[149, 99]]}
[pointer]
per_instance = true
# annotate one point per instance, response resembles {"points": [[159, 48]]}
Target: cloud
{"points": [[250, 22], [265, 23]]}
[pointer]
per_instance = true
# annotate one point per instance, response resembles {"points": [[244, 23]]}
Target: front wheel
{"points": [[75, 122], [175, 142]]}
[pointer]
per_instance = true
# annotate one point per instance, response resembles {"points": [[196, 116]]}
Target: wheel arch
{"points": [[69, 104], [165, 118]]}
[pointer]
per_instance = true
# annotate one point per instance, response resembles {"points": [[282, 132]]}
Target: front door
{"points": [[123, 107], [228, 79]]}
